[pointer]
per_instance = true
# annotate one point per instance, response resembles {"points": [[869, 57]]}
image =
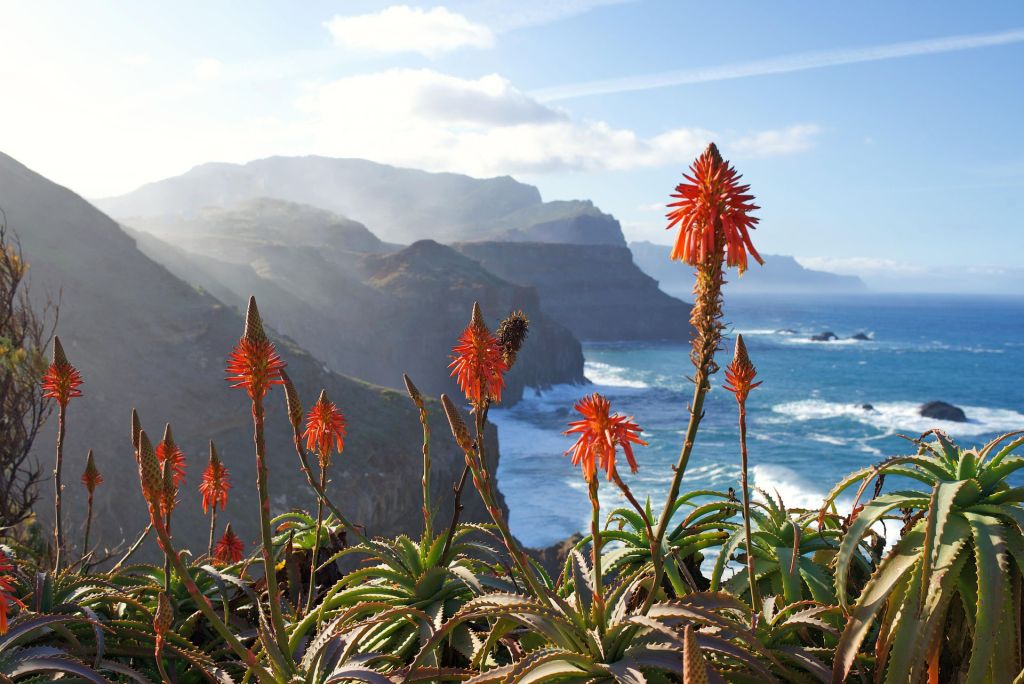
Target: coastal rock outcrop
{"points": [[827, 336], [594, 290], [940, 410]]}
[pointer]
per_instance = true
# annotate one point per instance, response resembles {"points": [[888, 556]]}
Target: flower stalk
{"points": [[91, 479], [417, 400], [61, 382]]}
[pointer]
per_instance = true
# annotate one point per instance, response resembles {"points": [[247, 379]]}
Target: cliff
{"points": [[372, 314], [779, 274], [144, 338], [594, 290]]}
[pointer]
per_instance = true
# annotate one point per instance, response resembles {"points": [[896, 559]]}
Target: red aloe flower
{"points": [[230, 548], [477, 362], [254, 364], [91, 478], [740, 373], [216, 483], [7, 597], [62, 380], [167, 449], [325, 424], [713, 200], [600, 434]]}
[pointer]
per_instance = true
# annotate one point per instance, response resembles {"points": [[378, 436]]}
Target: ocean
{"points": [[806, 424]]}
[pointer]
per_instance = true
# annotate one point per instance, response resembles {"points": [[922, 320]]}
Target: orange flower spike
{"points": [[163, 620], [7, 597], [325, 425], [167, 449], [62, 380], [216, 482], [713, 200], [150, 475], [254, 364], [230, 548], [91, 478], [600, 434], [477, 362], [740, 373]]}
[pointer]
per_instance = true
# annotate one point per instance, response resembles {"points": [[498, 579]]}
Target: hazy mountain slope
{"points": [[594, 290], [347, 307], [144, 338], [400, 205], [779, 274]]}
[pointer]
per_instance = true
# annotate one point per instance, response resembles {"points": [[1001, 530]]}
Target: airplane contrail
{"points": [[780, 65]]}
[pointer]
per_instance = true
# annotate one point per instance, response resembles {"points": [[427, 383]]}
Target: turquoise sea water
{"points": [[806, 425]]}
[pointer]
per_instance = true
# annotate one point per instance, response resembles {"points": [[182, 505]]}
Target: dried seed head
{"points": [[293, 402], [459, 430], [414, 393], [253, 323], [511, 334]]}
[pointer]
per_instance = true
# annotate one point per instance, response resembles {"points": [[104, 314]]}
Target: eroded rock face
{"points": [[940, 410], [594, 290], [143, 338]]}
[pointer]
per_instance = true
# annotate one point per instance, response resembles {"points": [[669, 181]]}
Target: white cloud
{"points": [[486, 126], [139, 60], [401, 28], [208, 69]]}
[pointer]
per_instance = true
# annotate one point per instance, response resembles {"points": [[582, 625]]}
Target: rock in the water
{"points": [[863, 337], [826, 336], [867, 407], [940, 410]]}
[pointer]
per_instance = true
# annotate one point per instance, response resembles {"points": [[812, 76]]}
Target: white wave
{"points": [[903, 416], [843, 342], [607, 375]]}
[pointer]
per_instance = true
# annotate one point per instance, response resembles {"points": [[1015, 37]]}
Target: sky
{"points": [[881, 139]]}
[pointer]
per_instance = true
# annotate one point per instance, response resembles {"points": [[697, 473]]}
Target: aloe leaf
{"points": [[890, 571], [990, 557]]}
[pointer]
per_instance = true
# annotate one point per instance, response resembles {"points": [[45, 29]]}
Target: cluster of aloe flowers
{"points": [[793, 596]]}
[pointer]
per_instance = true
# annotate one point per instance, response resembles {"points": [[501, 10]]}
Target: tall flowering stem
{"points": [[151, 479], [255, 366], [295, 416], [482, 482], [479, 363], [61, 382], [91, 479], [713, 216], [417, 400], [739, 379], [172, 466], [325, 429], [600, 434], [214, 487]]}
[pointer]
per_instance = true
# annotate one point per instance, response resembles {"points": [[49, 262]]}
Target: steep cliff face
{"points": [[373, 315], [144, 338], [594, 290], [577, 222], [779, 274]]}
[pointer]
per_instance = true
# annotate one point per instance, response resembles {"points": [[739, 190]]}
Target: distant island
{"points": [[780, 274]]}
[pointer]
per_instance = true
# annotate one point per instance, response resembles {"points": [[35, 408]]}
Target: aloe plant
{"points": [[958, 564], [792, 549]]}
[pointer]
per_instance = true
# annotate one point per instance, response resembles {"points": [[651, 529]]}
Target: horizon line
{"points": [[801, 61]]}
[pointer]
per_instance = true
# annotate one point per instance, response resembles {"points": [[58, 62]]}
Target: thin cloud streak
{"points": [[781, 65]]}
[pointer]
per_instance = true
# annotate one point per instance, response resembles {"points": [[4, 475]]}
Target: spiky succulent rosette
{"points": [[62, 380]]}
